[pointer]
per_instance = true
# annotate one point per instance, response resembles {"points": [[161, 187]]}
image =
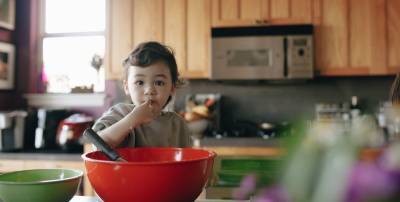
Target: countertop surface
{"points": [[40, 156], [238, 143]]}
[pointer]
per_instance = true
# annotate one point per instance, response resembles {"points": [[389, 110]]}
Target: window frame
{"points": [[42, 35]]}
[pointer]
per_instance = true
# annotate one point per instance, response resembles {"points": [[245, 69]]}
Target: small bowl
{"points": [[151, 174], [198, 127], [39, 185]]}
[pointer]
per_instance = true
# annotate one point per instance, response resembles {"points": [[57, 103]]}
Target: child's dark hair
{"points": [[148, 53]]}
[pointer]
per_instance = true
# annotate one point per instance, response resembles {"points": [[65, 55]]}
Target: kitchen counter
{"points": [[40, 156], [238, 142], [242, 146]]}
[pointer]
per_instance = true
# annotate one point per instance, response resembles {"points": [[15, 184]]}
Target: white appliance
{"points": [[272, 52], [12, 130]]}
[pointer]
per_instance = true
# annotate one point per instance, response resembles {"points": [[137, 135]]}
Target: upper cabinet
{"points": [[393, 36], [119, 36], [187, 30], [229, 13], [184, 25], [357, 37], [351, 37]]}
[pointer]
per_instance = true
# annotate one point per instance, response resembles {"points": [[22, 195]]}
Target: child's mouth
{"points": [[152, 101]]}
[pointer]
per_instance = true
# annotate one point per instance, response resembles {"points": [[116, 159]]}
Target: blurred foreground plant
{"points": [[324, 164]]}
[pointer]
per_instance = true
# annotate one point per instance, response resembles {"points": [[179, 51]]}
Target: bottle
{"points": [[355, 110]]}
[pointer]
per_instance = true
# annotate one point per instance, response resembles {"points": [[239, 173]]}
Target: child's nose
{"points": [[150, 90]]}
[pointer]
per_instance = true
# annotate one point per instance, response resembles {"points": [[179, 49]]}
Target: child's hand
{"points": [[145, 112]]}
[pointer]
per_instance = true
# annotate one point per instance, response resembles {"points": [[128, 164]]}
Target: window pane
{"points": [[67, 63], [74, 16]]}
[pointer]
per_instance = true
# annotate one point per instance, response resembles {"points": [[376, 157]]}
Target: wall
{"points": [[23, 37], [276, 102]]}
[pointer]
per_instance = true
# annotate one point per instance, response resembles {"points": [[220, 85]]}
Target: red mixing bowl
{"points": [[151, 174]]}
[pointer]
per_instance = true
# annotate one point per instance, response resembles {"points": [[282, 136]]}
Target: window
{"points": [[73, 45]]}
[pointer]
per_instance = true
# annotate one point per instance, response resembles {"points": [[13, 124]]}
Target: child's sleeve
{"points": [[111, 116]]}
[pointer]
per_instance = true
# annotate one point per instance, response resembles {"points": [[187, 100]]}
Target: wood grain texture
{"points": [[301, 9], [175, 32], [378, 29], [332, 35], [368, 35], [148, 21], [279, 9], [230, 9], [250, 9], [316, 12], [360, 34], [199, 36], [393, 23], [228, 13], [119, 36]]}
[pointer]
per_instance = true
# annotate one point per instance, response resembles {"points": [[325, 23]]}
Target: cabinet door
{"points": [[187, 31], [357, 38], [227, 13], [119, 39], [393, 23], [175, 30], [198, 39], [147, 21], [332, 37], [367, 37], [239, 12]]}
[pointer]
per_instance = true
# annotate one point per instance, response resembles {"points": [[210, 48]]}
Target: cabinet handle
{"points": [[258, 21], [266, 21]]}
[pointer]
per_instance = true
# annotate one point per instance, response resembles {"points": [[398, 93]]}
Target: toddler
{"points": [[150, 80]]}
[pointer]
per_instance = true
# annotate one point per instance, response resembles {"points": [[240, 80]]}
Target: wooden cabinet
{"points": [[228, 13], [393, 36], [184, 25], [352, 37], [187, 30], [119, 37], [357, 37]]}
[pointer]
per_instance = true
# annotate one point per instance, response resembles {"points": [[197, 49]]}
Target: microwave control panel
{"points": [[299, 56]]}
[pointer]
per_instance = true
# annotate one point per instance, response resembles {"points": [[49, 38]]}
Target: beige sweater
{"points": [[167, 130]]}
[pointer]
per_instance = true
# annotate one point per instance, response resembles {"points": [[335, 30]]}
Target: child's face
{"points": [[152, 82]]}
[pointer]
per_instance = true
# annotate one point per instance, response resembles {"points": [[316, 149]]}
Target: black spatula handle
{"points": [[103, 146]]}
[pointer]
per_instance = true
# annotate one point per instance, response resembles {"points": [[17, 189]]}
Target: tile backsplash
{"points": [[262, 101], [289, 100]]}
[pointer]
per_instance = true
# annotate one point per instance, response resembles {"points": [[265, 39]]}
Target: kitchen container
{"points": [[151, 174], [12, 130], [70, 131], [39, 185]]}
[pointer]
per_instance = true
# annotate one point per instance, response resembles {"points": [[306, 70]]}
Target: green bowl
{"points": [[39, 185]]}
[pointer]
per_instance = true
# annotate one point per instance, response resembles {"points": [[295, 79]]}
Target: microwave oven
{"points": [[270, 52]]}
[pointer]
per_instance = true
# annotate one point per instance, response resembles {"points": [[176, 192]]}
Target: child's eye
{"points": [[159, 83], [139, 83]]}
